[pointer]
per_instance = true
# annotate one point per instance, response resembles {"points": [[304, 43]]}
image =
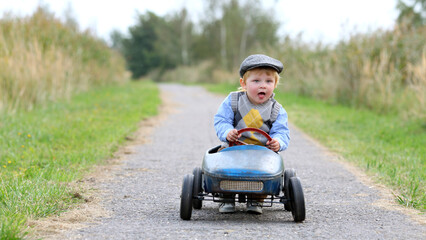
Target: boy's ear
{"points": [[242, 83]]}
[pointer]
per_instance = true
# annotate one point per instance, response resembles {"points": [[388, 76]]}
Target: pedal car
{"points": [[246, 171]]}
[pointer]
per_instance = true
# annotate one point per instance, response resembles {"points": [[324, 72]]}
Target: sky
{"points": [[327, 21]]}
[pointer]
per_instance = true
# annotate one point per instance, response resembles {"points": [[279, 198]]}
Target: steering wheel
{"points": [[238, 142]]}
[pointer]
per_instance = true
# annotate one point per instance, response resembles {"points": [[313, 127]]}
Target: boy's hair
{"points": [[268, 71]]}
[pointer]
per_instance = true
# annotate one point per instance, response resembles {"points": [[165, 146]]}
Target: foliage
{"points": [[143, 50], [232, 30], [413, 15], [44, 150], [228, 31], [42, 59], [156, 43]]}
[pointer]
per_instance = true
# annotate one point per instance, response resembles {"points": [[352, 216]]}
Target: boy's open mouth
{"points": [[261, 94]]}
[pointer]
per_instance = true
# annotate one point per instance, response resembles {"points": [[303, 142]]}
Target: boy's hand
{"points": [[233, 135], [274, 145]]}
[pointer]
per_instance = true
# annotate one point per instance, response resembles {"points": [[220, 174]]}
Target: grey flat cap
{"points": [[260, 60]]}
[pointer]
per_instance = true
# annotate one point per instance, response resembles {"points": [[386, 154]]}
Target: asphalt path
{"points": [[142, 195]]}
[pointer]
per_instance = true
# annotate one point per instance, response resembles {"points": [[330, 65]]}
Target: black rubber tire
{"points": [[186, 197], [197, 203], [297, 200], [288, 173]]}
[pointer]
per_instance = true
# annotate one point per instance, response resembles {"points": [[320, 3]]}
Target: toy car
{"points": [[246, 171]]}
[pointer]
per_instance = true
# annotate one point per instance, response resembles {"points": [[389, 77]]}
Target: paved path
{"points": [[143, 196]]}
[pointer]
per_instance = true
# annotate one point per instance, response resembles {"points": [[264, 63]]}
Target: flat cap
{"points": [[260, 60]]}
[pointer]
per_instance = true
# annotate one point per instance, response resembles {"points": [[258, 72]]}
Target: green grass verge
{"points": [[43, 150], [387, 147]]}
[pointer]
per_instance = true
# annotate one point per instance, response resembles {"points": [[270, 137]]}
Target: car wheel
{"points": [[186, 197], [297, 199], [288, 173], [197, 203]]}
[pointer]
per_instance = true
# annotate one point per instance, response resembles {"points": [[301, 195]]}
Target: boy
{"points": [[254, 106]]}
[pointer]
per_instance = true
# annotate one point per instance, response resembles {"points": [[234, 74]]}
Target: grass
{"points": [[43, 59], [385, 146], [384, 71], [44, 150]]}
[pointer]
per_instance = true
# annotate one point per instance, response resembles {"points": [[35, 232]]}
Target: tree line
{"points": [[228, 32]]}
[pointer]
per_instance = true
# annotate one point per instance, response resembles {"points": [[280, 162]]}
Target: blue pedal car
{"points": [[247, 171]]}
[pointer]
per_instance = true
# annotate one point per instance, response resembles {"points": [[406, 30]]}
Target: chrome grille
{"points": [[241, 185]]}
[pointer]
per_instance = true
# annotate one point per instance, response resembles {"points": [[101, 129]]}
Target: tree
{"points": [[175, 38], [143, 50], [234, 28], [229, 31], [117, 40], [156, 43], [413, 14], [181, 29]]}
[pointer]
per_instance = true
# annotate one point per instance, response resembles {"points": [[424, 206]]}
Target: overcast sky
{"points": [[325, 20]]}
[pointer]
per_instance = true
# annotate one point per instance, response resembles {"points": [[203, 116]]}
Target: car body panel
{"points": [[243, 163]]}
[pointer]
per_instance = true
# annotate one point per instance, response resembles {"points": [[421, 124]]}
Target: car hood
{"points": [[247, 161]]}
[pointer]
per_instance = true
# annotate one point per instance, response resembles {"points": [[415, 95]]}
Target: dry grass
{"points": [[42, 59], [383, 71]]}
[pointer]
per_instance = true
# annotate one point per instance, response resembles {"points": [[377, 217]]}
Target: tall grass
{"points": [[382, 71], [43, 59]]}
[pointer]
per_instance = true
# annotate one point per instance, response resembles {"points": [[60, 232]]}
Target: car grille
{"points": [[241, 185]]}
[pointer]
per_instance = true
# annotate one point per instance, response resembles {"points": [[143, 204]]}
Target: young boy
{"points": [[254, 106]]}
